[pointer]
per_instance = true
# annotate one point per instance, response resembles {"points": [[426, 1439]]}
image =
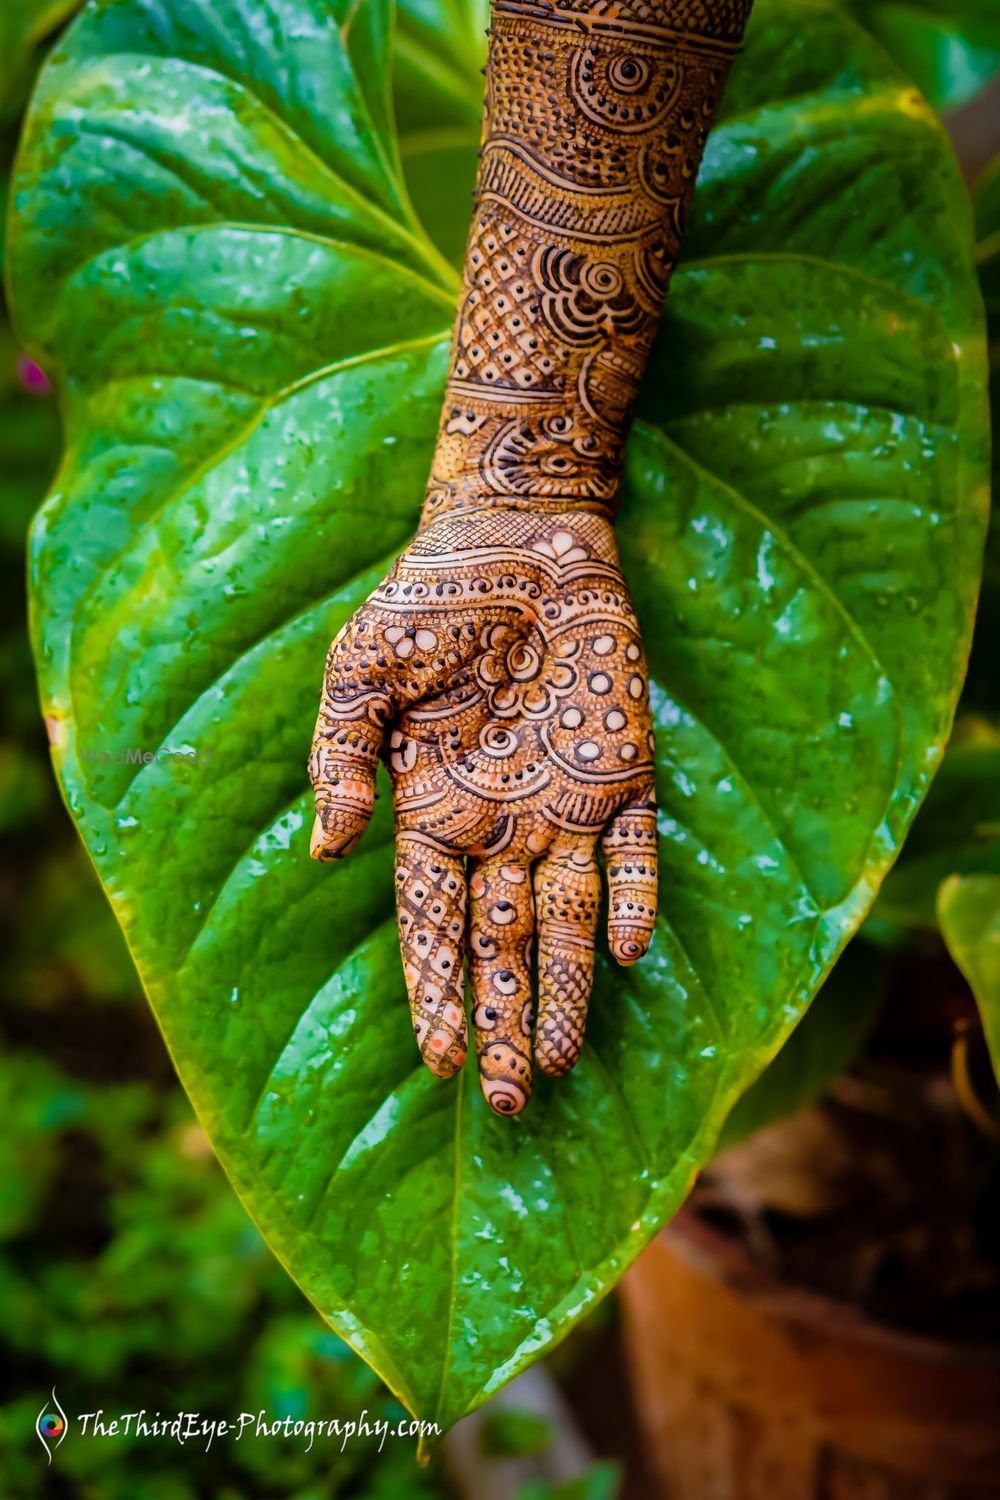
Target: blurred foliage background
{"points": [[130, 1275]]}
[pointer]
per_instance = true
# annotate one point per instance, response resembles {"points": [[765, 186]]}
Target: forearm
{"points": [[595, 122]]}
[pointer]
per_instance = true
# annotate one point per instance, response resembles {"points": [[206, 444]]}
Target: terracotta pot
{"points": [[751, 1390]]}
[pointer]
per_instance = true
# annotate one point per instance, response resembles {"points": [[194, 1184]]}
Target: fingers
{"points": [[630, 855], [567, 897], [430, 908], [346, 745], [501, 924]]}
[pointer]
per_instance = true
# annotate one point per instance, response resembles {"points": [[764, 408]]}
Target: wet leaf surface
{"points": [[214, 252]]}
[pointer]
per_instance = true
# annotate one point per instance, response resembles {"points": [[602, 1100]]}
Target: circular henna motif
{"points": [[626, 93]]}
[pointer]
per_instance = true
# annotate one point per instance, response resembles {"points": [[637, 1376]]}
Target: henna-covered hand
{"points": [[499, 669]]}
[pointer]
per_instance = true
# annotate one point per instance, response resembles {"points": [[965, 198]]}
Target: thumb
{"points": [[347, 742]]}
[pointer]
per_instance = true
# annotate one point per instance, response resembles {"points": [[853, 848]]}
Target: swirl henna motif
{"points": [[498, 669]]}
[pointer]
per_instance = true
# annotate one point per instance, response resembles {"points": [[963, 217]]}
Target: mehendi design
{"points": [[499, 669], [595, 122]]}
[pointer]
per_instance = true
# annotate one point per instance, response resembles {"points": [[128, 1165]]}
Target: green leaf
{"points": [[823, 1044], [440, 48], [982, 687], [213, 250], [950, 48], [987, 209], [957, 832], [24, 25], [440, 45], [987, 204], [954, 880], [969, 913], [958, 829]]}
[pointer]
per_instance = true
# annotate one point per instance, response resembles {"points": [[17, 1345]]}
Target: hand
{"points": [[499, 668], [499, 671]]}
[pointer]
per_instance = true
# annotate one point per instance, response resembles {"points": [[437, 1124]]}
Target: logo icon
{"points": [[50, 1424]]}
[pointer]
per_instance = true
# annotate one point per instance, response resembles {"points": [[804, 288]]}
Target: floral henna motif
{"points": [[498, 669]]}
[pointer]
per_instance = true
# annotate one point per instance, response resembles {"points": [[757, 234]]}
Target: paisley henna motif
{"points": [[498, 669]]}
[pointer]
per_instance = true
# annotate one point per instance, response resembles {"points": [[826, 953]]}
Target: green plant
{"points": [[947, 881], [950, 874], [24, 26], [250, 344], [950, 48], [132, 1279], [968, 901]]}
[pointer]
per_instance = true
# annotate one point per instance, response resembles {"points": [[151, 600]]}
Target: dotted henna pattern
{"points": [[498, 669]]}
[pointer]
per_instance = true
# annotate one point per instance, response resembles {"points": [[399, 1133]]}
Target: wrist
{"points": [[593, 132], [533, 455]]}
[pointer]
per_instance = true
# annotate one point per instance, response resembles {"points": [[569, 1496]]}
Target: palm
{"points": [[499, 671]]}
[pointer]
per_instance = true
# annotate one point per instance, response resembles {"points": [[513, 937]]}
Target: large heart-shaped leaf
{"points": [[982, 689], [214, 250]]}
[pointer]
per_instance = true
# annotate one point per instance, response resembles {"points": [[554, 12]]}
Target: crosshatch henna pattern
{"points": [[499, 669]]}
